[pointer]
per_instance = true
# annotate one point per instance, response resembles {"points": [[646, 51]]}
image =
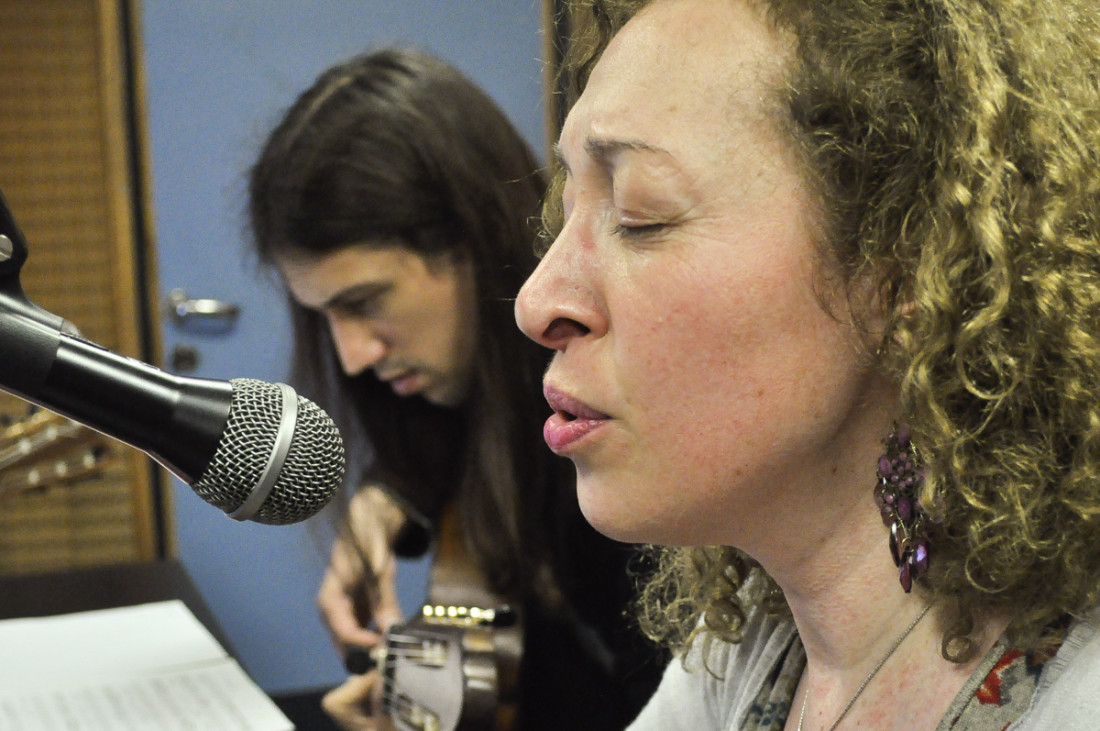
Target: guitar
{"points": [[445, 671], [45, 449], [456, 666]]}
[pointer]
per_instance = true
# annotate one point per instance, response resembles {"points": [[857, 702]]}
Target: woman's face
{"points": [[410, 320], [697, 377]]}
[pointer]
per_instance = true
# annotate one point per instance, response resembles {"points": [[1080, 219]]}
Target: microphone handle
{"points": [[178, 421]]}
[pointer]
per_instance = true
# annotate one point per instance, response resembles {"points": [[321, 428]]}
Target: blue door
{"points": [[218, 75]]}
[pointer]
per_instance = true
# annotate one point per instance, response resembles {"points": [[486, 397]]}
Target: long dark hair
{"points": [[397, 146]]}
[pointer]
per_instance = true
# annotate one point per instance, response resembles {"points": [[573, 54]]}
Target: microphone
{"points": [[256, 450]]}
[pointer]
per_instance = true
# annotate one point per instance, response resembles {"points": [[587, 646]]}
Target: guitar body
{"points": [[456, 666], [442, 677]]}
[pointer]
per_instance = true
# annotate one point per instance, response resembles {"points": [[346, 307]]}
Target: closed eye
{"points": [[358, 308], [628, 232]]}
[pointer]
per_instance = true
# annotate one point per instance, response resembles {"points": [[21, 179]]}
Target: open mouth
{"points": [[571, 422], [570, 409]]}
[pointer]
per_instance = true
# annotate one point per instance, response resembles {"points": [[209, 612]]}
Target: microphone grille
{"points": [[311, 473]]}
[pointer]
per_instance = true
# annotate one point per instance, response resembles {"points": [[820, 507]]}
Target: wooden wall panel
{"points": [[66, 171]]}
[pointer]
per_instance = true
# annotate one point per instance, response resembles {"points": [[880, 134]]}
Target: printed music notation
{"points": [[148, 667]]}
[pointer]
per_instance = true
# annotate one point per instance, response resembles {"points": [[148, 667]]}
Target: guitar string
{"points": [[404, 644], [404, 639], [400, 706], [412, 654], [390, 690], [406, 651], [396, 701]]}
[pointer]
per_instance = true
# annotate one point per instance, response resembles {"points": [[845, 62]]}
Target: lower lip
{"points": [[406, 385], [562, 434]]}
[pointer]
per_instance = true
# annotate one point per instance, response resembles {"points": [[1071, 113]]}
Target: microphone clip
{"points": [[13, 247]]}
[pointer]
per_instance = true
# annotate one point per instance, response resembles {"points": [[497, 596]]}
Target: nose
{"points": [[357, 344], [560, 303]]}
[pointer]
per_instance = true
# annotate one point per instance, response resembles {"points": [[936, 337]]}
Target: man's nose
{"points": [[357, 345]]}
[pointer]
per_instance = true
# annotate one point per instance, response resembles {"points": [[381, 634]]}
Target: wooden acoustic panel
{"points": [[65, 169]]}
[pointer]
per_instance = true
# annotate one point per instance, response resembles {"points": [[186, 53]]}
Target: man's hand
{"points": [[360, 586], [356, 705]]}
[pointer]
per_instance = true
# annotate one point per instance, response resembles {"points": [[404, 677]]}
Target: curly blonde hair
{"points": [[955, 146]]}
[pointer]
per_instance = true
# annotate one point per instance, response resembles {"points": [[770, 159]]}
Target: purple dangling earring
{"points": [[896, 494]]}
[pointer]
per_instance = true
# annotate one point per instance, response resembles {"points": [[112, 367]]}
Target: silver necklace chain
{"points": [[870, 675]]}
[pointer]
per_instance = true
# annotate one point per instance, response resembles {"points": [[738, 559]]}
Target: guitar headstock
{"points": [[44, 449]]}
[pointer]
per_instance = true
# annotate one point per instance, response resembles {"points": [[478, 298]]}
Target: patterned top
{"points": [[750, 686], [998, 691]]}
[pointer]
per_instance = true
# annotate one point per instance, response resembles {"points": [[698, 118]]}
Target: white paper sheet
{"points": [[151, 667]]}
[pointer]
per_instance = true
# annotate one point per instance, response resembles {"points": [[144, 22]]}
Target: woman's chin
{"points": [[616, 520]]}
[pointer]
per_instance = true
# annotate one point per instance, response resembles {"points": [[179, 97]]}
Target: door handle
{"points": [[204, 313]]}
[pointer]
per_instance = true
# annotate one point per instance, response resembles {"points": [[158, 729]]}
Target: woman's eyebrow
{"points": [[601, 150]]}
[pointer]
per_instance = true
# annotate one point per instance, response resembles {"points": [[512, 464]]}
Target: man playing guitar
{"points": [[398, 205]]}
